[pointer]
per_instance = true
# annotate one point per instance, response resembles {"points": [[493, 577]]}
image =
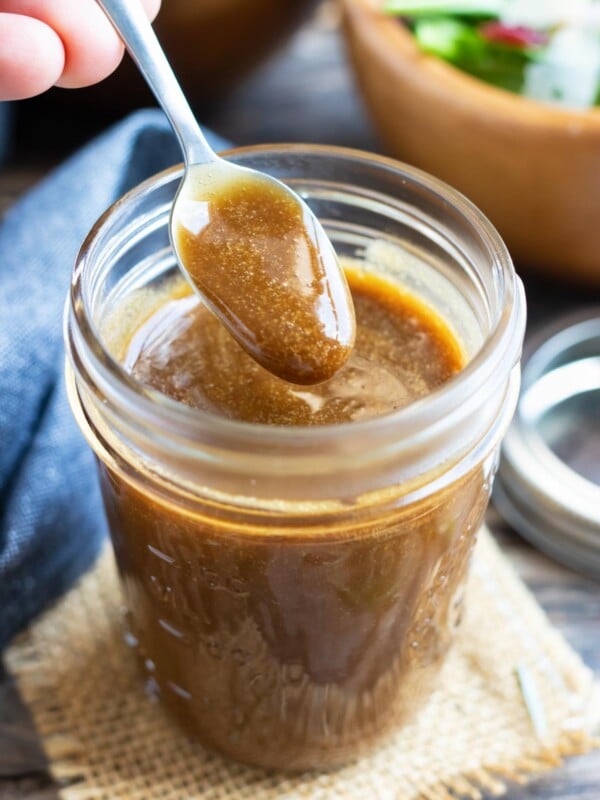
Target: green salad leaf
{"points": [[460, 44]]}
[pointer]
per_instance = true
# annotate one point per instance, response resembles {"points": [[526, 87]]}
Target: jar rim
{"points": [[498, 354]]}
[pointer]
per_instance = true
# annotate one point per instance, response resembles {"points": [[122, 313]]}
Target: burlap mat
{"points": [[513, 700]]}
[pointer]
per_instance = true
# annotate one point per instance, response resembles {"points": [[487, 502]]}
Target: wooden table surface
{"points": [[306, 94]]}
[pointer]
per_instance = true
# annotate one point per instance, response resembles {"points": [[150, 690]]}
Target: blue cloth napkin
{"points": [[51, 519]]}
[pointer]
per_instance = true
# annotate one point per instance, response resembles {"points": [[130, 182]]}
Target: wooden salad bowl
{"points": [[534, 169]]}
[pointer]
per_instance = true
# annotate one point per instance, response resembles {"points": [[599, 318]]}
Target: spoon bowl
{"points": [[264, 265]]}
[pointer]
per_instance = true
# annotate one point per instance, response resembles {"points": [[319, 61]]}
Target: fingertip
{"points": [[152, 8], [93, 48], [32, 57], [83, 70]]}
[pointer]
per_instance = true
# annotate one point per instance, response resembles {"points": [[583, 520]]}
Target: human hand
{"points": [[46, 43]]}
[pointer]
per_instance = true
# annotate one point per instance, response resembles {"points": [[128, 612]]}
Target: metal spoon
{"points": [[251, 247]]}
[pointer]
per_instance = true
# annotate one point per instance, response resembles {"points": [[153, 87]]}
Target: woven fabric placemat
{"points": [[513, 701]]}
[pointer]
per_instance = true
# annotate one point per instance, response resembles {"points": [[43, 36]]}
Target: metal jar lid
{"points": [[548, 484]]}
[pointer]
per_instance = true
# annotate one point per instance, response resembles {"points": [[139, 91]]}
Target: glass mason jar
{"points": [[292, 592]]}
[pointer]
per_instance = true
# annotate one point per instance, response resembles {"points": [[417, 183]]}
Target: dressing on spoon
{"points": [[251, 247], [269, 272]]}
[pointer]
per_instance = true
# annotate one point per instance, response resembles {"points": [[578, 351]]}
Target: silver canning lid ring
{"points": [[554, 506]]}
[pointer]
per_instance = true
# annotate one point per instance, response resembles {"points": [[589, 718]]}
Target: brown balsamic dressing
{"points": [[402, 352]]}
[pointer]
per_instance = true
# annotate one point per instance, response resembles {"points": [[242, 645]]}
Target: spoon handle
{"points": [[129, 19]]}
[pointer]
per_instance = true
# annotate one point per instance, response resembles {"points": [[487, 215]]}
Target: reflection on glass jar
{"points": [[293, 591]]}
